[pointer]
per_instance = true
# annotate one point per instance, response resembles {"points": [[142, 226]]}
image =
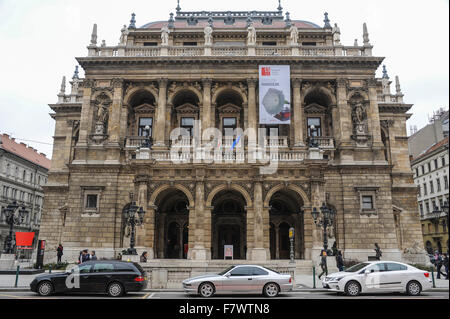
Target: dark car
{"points": [[107, 276]]}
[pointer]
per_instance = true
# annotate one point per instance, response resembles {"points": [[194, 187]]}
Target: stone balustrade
{"points": [[218, 50]]}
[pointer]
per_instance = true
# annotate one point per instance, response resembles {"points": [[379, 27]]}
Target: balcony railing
{"points": [[219, 50]]}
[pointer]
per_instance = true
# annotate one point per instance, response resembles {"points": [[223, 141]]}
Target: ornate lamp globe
{"points": [[315, 214]]}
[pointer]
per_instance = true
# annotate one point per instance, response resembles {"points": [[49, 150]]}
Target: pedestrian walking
{"points": [[85, 256], [80, 257], [378, 252], [143, 258], [59, 252], [445, 262], [93, 256], [438, 264], [323, 263], [340, 261]]}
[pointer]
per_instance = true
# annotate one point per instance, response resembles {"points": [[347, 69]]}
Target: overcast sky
{"points": [[41, 38]]}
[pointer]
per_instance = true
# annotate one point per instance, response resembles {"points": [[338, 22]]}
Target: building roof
{"points": [[22, 150], [220, 24], [432, 148]]}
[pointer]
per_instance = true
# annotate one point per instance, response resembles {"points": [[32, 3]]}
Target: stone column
{"points": [[344, 124], [258, 251], [198, 251], [141, 233], [86, 119], [252, 114], [149, 224], [161, 231], [116, 108], [206, 116], [374, 121], [160, 125], [298, 114]]}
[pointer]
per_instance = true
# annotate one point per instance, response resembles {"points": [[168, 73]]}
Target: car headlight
{"points": [[336, 279]]}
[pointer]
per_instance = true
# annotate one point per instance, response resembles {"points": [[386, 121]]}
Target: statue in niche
{"points": [[294, 35], [208, 35], [359, 118], [251, 36], [102, 118], [165, 35]]}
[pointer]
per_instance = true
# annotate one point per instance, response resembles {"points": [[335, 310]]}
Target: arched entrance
{"points": [[285, 213], [171, 220], [228, 224]]}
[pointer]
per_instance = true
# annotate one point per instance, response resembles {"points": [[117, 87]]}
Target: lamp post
{"points": [[312, 141], [134, 216], [436, 214], [325, 221], [14, 216]]}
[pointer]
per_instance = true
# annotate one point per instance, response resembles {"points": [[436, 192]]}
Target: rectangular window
{"points": [[446, 182], [443, 161], [194, 44], [91, 201], [431, 187], [271, 43], [143, 122], [427, 207], [229, 124], [425, 192], [421, 209], [417, 172], [316, 122], [271, 130], [188, 124], [367, 202], [438, 182], [436, 164], [150, 44], [309, 43], [419, 190], [429, 166], [423, 169]]}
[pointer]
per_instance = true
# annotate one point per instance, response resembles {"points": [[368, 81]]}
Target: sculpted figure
{"points": [[336, 34], [294, 34], [208, 35], [165, 35], [251, 37], [124, 35]]}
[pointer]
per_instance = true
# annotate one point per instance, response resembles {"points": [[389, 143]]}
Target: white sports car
{"points": [[379, 276]]}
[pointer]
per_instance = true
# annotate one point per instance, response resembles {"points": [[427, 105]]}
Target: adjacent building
{"points": [[215, 175], [431, 174], [23, 173]]}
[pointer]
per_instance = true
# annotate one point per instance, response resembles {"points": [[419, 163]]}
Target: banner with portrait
{"points": [[274, 94]]}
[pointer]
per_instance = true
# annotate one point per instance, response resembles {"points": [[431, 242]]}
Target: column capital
{"points": [[207, 81], [88, 84], [252, 82], [117, 83], [162, 82], [341, 82], [372, 82], [297, 82]]}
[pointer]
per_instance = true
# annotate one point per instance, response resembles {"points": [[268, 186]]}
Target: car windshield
{"points": [[226, 270], [357, 267]]}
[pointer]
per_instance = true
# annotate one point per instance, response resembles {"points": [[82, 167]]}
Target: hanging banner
{"points": [[24, 239], [274, 94]]}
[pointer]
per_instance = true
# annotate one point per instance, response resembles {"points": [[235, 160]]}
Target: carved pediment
{"points": [[187, 108], [315, 108], [229, 108], [144, 109]]}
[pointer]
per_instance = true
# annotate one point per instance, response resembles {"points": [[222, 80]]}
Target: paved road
{"points": [[180, 295]]}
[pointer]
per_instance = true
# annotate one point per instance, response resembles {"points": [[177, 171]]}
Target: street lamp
{"points": [[134, 216], [14, 216], [324, 222]]}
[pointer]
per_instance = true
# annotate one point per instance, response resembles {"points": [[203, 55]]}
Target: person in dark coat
{"points": [[378, 253], [85, 256], [445, 263], [323, 263], [143, 258], [59, 252], [93, 256], [340, 261]]}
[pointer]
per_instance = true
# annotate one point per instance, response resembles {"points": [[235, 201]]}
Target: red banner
{"points": [[24, 239]]}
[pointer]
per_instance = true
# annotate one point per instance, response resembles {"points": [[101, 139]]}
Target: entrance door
{"points": [[284, 241], [173, 241], [230, 235]]}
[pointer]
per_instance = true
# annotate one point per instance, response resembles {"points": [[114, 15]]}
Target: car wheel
{"points": [[352, 288], [45, 288], [413, 288], [206, 290], [115, 289], [271, 290]]}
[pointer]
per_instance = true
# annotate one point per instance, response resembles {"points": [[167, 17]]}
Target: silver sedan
{"points": [[240, 279]]}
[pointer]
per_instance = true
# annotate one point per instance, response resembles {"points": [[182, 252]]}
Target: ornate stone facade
{"points": [[205, 70]]}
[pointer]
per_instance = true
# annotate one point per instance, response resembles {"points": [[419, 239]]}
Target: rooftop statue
{"points": [[165, 35], [251, 37], [124, 35], [336, 34], [208, 35], [294, 35]]}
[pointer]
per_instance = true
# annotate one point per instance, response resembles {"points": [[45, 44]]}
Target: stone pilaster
{"points": [[344, 124], [374, 122], [86, 118], [298, 114], [206, 116], [252, 114], [258, 252], [160, 125], [197, 220]]}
